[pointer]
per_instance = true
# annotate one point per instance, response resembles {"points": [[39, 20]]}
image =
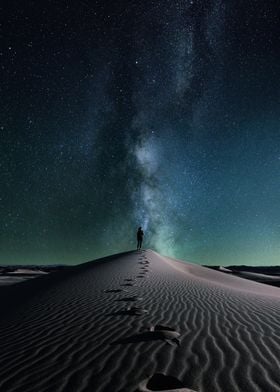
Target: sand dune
{"points": [[99, 327], [27, 271], [258, 276]]}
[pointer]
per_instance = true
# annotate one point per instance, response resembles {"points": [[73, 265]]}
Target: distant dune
{"points": [[15, 274], [268, 275], [139, 321]]}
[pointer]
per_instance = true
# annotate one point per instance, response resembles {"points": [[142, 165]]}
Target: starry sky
{"points": [[161, 114]]}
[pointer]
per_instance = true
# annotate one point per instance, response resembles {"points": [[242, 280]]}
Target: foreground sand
{"points": [[75, 331]]}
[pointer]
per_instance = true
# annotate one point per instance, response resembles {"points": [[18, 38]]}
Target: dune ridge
{"points": [[97, 326]]}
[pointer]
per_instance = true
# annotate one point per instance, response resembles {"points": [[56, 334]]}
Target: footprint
{"points": [[137, 310], [127, 284], [130, 311], [158, 332], [129, 280], [161, 382], [170, 334], [113, 290]]}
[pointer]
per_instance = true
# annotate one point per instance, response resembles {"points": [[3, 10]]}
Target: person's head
{"points": [[139, 228]]}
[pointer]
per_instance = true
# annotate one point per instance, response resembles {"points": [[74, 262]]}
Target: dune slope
{"points": [[139, 321]]}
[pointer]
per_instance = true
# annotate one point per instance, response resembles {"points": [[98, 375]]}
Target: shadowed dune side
{"points": [[80, 330], [15, 295]]}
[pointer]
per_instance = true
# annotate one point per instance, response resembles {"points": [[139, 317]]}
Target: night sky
{"points": [[116, 114]]}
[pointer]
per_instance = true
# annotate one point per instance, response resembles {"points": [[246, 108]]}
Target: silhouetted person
{"points": [[140, 235]]}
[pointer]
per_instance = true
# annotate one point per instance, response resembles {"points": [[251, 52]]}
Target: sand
{"points": [[139, 321]]}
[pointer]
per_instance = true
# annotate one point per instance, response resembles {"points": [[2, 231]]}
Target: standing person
{"points": [[140, 235]]}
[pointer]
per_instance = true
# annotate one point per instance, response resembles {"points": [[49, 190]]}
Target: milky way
{"points": [[163, 114]]}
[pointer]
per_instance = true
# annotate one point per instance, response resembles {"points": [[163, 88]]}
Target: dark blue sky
{"points": [[163, 114]]}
